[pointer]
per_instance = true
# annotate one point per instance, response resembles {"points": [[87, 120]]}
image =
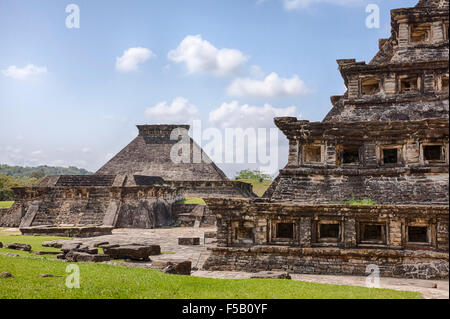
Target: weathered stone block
{"points": [[133, 252], [178, 267], [189, 241], [18, 246]]}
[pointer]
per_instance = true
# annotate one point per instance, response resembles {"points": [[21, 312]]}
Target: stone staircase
{"points": [[43, 215], [96, 207]]}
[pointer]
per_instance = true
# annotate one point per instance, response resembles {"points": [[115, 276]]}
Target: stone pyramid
{"points": [[149, 155]]}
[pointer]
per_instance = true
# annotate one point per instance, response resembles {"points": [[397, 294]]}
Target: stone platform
{"points": [[71, 231]]}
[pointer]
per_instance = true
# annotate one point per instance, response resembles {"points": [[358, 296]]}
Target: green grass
{"points": [[6, 204], [192, 200], [7, 237], [359, 202], [107, 281], [258, 188]]}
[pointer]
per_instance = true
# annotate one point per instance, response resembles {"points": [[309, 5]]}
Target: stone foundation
{"points": [[80, 232], [391, 263], [259, 235]]}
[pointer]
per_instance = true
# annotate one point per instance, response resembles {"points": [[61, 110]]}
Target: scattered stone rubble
{"points": [[18, 246], [5, 275], [189, 241]]}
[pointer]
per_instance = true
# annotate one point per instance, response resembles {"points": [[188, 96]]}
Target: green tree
{"points": [[253, 174], [7, 182], [39, 174]]}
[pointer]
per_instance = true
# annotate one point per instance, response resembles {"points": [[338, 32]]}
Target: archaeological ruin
{"points": [[385, 140], [138, 188]]}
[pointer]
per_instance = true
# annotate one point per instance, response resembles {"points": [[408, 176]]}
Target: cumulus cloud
{"points": [[302, 4], [25, 72], [235, 115], [271, 86], [200, 56], [179, 111], [131, 59], [37, 153]]}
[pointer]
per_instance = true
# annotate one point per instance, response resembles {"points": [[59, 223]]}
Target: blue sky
{"points": [[74, 96]]}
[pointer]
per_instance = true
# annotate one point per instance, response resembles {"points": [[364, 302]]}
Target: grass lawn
{"points": [[107, 281], [359, 202], [6, 204], [7, 237], [192, 200], [258, 188]]}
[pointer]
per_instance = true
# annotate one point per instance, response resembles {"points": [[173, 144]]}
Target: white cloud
{"points": [[37, 153], [178, 112], [86, 150], [256, 71], [201, 56], [235, 115], [302, 4], [271, 86], [131, 59], [25, 72]]}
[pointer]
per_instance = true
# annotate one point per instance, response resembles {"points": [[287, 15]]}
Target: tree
{"points": [[255, 175], [39, 174], [6, 182]]}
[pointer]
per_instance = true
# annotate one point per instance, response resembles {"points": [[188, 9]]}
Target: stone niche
{"points": [[420, 33], [313, 154], [390, 155], [404, 240], [409, 84], [370, 86], [348, 155]]}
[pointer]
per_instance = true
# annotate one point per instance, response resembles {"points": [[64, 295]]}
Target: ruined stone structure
{"points": [[388, 162], [169, 153], [136, 189], [121, 207], [386, 139]]}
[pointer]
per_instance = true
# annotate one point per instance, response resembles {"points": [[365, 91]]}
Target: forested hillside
{"points": [[40, 171], [18, 176]]}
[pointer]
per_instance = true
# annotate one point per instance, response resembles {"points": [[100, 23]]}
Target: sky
{"points": [[74, 95]]}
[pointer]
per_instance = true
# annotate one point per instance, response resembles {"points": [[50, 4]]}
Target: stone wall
{"points": [[137, 207], [387, 186], [189, 215], [250, 236], [317, 170], [330, 261], [204, 189]]}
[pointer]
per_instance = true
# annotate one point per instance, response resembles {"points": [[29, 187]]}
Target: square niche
{"points": [[372, 233]]}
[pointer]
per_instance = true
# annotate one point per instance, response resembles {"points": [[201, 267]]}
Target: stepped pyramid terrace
{"points": [[138, 188], [386, 139]]}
